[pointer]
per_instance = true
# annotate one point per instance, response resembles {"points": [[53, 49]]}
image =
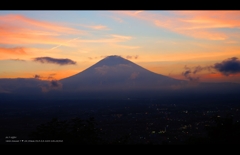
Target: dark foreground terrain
{"points": [[193, 119]]}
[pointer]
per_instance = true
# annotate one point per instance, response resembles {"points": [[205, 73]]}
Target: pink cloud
{"points": [[197, 24], [95, 27], [113, 38], [22, 21], [15, 51], [99, 27], [18, 29]]}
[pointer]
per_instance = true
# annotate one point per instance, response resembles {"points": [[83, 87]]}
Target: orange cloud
{"points": [[15, 51], [111, 39], [197, 24], [24, 21], [117, 19], [23, 53], [17, 29], [126, 46], [95, 27], [121, 37], [99, 27]]}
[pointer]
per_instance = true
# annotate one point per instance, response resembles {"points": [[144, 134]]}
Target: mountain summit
{"points": [[117, 73]]}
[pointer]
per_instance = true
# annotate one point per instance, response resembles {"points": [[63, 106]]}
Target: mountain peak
{"points": [[115, 73], [112, 60], [113, 56]]}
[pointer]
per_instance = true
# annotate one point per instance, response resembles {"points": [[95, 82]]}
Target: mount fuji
{"points": [[117, 73], [112, 77]]}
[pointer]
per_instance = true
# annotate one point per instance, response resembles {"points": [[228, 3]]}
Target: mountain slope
{"points": [[117, 73]]}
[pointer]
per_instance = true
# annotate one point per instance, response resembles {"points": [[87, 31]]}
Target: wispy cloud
{"points": [[197, 24], [188, 75], [19, 21], [94, 27], [113, 38], [121, 37], [55, 61], [127, 46], [119, 20], [18, 29], [13, 51], [132, 57], [45, 77], [99, 27], [191, 73], [64, 43], [18, 60], [97, 57]]}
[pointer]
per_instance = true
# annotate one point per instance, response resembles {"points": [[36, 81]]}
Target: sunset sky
{"points": [[179, 44]]}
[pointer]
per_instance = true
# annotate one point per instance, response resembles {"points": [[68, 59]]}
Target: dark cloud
{"points": [[99, 57], [54, 61], [37, 76], [18, 60], [102, 56], [131, 57], [228, 66], [128, 57], [199, 68], [186, 73], [189, 73], [52, 83], [50, 77]]}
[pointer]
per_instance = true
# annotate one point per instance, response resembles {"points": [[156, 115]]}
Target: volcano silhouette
{"points": [[117, 73]]}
